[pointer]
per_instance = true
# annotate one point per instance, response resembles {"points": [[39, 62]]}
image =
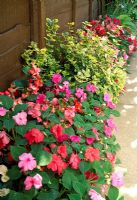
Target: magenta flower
{"points": [[108, 131], [90, 140], [91, 88], [117, 179], [20, 118], [3, 111], [27, 162], [79, 92], [35, 181], [56, 78], [94, 195], [111, 105], [111, 123], [107, 97], [125, 56], [41, 98], [83, 97], [75, 138]]}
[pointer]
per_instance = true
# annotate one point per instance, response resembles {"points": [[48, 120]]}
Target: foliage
{"points": [[57, 143], [80, 58], [126, 9]]}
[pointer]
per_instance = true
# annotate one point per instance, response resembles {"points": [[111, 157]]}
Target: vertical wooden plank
{"points": [[90, 10], [38, 21], [74, 11], [42, 22]]}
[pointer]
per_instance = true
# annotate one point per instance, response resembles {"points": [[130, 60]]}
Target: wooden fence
{"points": [[22, 21]]}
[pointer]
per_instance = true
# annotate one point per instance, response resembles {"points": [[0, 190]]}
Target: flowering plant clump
{"points": [[117, 34], [81, 58], [57, 143]]}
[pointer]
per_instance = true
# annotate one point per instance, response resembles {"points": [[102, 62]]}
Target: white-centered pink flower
{"points": [[3, 111], [35, 181], [20, 118], [27, 162]]}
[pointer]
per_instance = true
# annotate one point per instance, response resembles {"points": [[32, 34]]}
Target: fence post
{"points": [[38, 21]]}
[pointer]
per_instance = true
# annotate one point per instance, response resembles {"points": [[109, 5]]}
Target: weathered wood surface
{"points": [[22, 21]]}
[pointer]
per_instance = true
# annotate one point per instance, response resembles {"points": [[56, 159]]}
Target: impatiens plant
{"points": [[57, 143]]}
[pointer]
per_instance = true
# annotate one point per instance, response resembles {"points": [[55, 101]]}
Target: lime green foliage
{"points": [[79, 58]]}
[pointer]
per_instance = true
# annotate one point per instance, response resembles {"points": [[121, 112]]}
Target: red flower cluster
{"points": [[34, 136], [57, 131], [92, 154], [57, 164]]}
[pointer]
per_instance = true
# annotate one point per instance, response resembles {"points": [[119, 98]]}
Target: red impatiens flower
{"points": [[91, 175], [92, 154], [74, 161], [57, 131], [62, 150], [78, 106], [57, 164], [34, 136]]}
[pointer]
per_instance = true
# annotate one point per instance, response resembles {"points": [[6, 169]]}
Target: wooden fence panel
{"points": [[22, 21], [14, 37]]}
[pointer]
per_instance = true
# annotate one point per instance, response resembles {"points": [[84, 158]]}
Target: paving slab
{"points": [[127, 133]]}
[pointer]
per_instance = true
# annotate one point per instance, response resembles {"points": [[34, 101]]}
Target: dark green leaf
{"points": [[113, 193], [16, 151], [14, 173], [74, 197], [84, 166], [9, 124], [20, 107], [6, 101]]}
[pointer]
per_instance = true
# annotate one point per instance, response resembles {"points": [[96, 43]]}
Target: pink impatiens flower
{"points": [[3, 111], [117, 179], [79, 92], [4, 139], [90, 140], [75, 138], [108, 131], [20, 118], [41, 98], [111, 123], [74, 161], [91, 88], [94, 195], [56, 78], [107, 97], [35, 181], [27, 162]]}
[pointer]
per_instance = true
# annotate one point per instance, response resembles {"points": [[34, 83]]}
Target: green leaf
{"points": [[20, 141], [20, 107], [43, 158], [115, 113], [54, 118], [32, 97], [45, 177], [18, 196], [16, 151], [49, 95], [69, 131], [68, 178], [79, 121], [6, 101], [9, 124], [84, 166], [20, 83], [21, 130], [113, 193], [79, 188], [49, 195], [14, 173], [46, 113], [74, 196]]}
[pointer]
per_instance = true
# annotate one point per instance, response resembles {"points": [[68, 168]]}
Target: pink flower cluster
{"points": [[4, 139], [27, 162], [20, 118], [35, 181]]}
